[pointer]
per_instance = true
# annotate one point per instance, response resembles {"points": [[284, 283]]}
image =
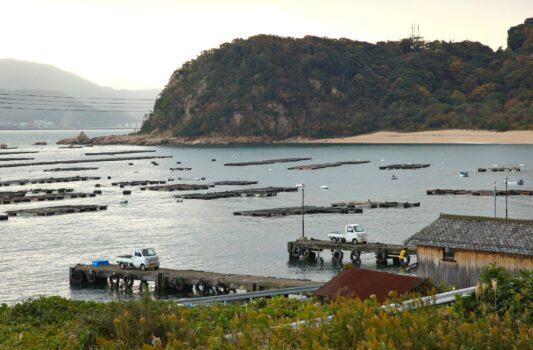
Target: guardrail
{"points": [[246, 296]]}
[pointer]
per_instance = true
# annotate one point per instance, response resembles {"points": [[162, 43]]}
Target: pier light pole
{"points": [[506, 213]]}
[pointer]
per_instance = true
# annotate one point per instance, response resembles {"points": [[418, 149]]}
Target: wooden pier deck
{"points": [[308, 249], [186, 281], [57, 210]]}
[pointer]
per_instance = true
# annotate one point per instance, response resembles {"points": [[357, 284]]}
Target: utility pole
{"points": [[303, 222], [494, 198], [506, 213]]}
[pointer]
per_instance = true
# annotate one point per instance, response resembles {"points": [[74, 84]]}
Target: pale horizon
{"points": [[138, 44]]}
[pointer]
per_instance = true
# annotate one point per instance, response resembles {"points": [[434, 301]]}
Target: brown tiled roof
{"points": [[363, 283], [477, 233]]}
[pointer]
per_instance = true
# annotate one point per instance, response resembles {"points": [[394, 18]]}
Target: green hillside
{"points": [[318, 87]]}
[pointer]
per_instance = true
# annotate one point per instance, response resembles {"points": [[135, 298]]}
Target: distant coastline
{"points": [[453, 136]]}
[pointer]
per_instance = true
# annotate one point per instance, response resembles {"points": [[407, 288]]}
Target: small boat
{"points": [[464, 174], [179, 199], [123, 201], [394, 177], [520, 182], [324, 187]]}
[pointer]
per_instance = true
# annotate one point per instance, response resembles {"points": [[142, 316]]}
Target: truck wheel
{"points": [[122, 266], [143, 267], [354, 241]]}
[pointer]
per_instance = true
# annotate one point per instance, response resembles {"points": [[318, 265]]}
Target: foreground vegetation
{"points": [[498, 316], [277, 88]]}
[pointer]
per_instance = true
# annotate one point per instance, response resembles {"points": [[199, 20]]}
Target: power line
{"points": [[68, 110], [79, 98]]}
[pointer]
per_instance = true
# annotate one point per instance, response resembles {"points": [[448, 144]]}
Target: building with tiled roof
{"points": [[453, 249]]}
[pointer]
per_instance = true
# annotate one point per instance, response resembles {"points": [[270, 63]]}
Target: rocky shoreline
{"points": [[164, 139], [383, 137]]}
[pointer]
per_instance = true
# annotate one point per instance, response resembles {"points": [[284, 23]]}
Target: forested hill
{"points": [[317, 87]]}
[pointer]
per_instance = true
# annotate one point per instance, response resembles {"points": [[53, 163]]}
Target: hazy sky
{"points": [[139, 43]]}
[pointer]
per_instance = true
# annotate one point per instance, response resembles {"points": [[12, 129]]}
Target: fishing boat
{"points": [[394, 177], [464, 174]]}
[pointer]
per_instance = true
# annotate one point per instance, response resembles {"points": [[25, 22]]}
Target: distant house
{"points": [[361, 283], [453, 249]]}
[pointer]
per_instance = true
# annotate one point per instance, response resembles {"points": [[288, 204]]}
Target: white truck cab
{"points": [[353, 233], [142, 258]]}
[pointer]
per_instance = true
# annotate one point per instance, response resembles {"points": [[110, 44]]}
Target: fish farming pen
{"points": [[68, 169], [58, 210], [249, 192], [277, 212], [480, 192], [74, 161], [374, 204], [327, 165], [310, 249], [268, 161], [180, 169], [117, 152], [47, 180], [14, 159], [44, 197], [18, 152], [235, 183], [200, 283], [404, 166], [138, 183], [499, 169], [176, 187]]}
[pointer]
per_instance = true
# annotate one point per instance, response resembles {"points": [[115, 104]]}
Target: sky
{"points": [[137, 44]]}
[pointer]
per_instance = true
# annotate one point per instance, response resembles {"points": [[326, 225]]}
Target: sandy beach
{"points": [[439, 136]]}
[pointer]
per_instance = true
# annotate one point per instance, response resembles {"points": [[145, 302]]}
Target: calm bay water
{"points": [[204, 235]]}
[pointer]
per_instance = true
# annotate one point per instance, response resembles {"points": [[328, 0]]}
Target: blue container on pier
{"points": [[100, 262]]}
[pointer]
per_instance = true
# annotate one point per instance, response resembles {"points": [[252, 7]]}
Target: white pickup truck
{"points": [[353, 233], [142, 258]]}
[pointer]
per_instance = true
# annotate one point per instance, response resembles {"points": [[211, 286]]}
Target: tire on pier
{"points": [[76, 277], [114, 280], [91, 276], [337, 255], [381, 258], [128, 281], [296, 252], [355, 257], [309, 255], [221, 288], [178, 284], [201, 288]]}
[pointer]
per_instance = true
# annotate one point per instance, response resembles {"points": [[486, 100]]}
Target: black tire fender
{"points": [[91, 276], [355, 257], [128, 281]]}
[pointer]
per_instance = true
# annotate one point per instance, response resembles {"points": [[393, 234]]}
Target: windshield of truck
{"points": [[148, 252], [359, 229]]}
